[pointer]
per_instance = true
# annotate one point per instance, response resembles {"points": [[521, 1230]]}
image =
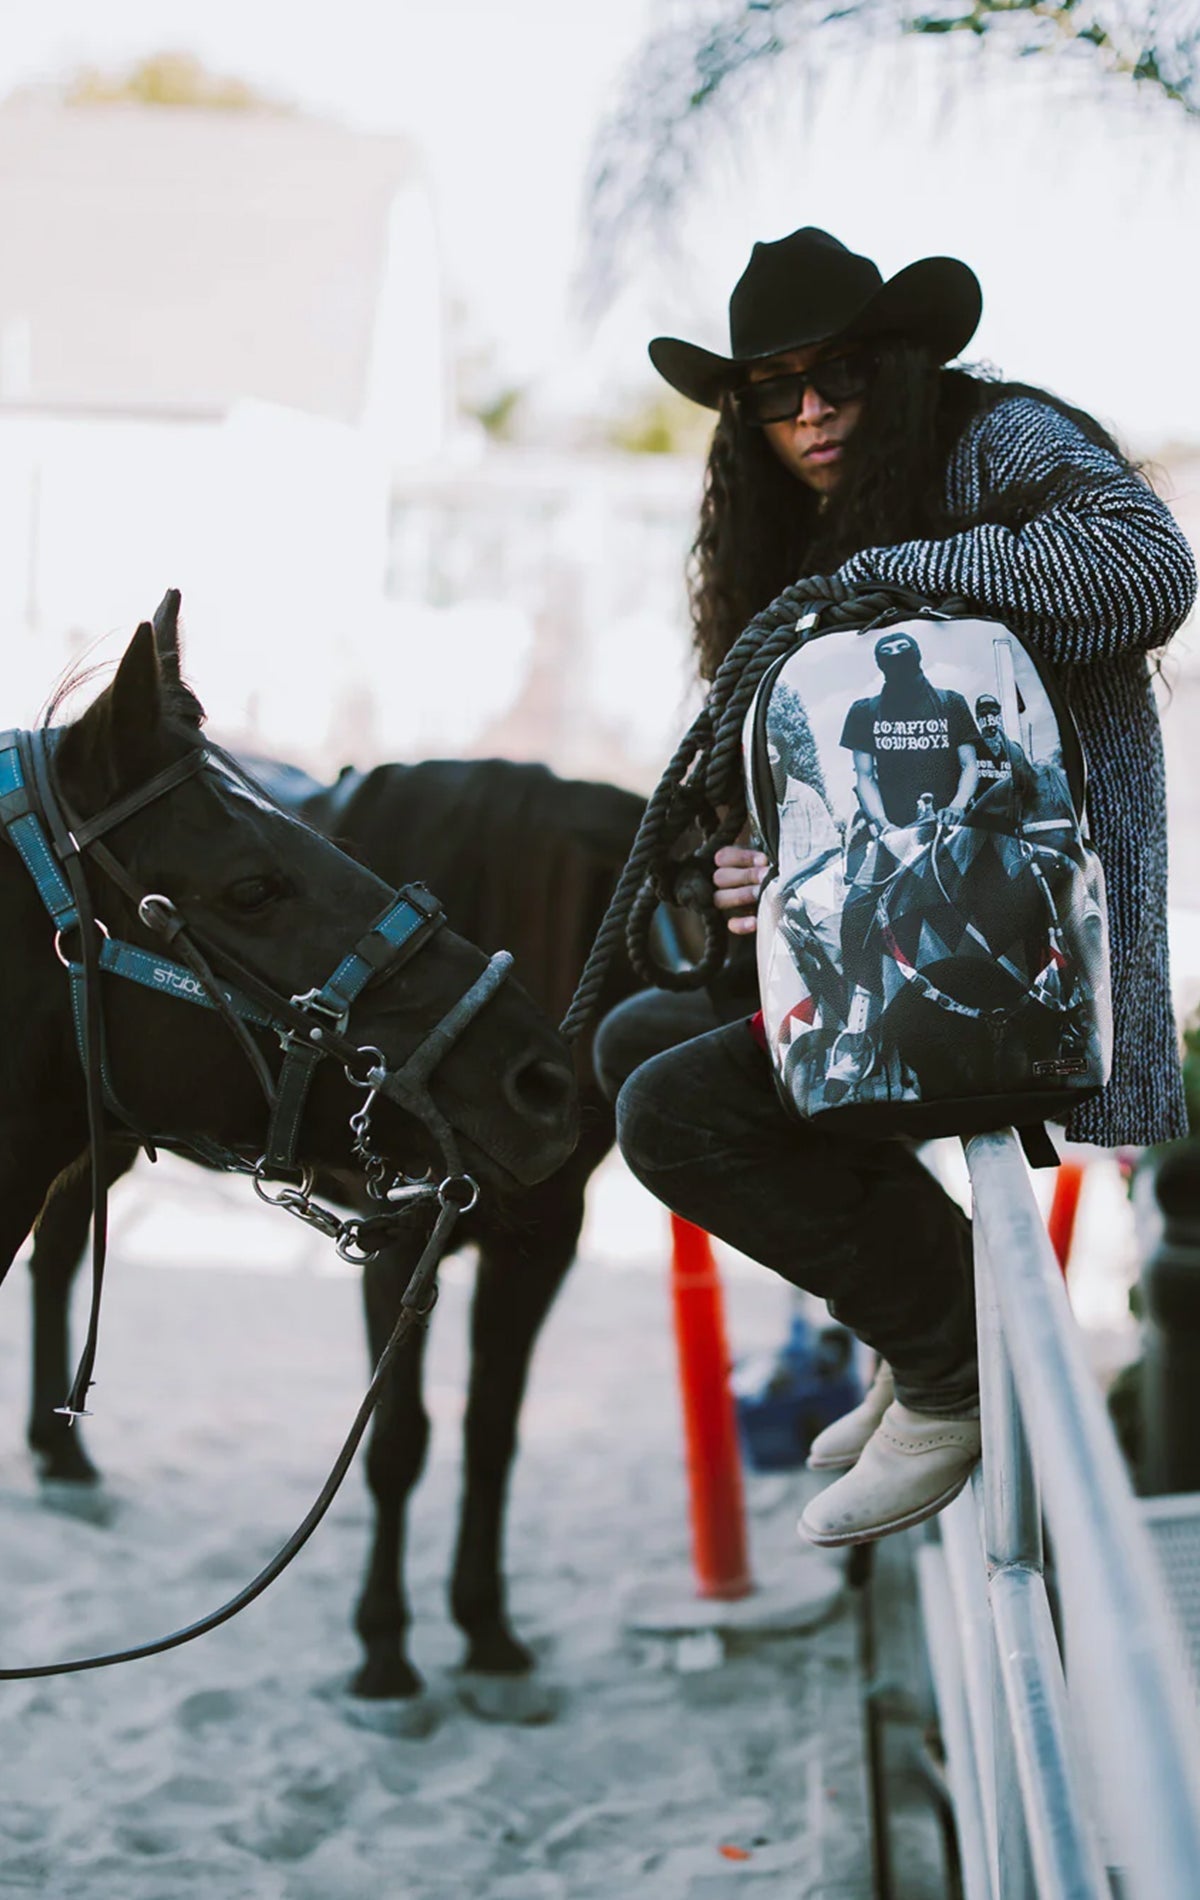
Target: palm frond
{"points": [[703, 61]]}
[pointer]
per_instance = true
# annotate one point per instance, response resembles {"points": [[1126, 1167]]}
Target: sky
{"points": [[1080, 217]]}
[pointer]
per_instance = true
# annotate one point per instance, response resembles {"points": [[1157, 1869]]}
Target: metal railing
{"points": [[1072, 1755]]}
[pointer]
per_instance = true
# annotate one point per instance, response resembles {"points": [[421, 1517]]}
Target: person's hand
{"points": [[738, 874], [951, 815]]}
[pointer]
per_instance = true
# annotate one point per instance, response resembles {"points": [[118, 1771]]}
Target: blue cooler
{"points": [[784, 1399]]}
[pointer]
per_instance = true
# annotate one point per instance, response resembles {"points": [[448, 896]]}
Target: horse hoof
{"points": [[522, 1700], [387, 1677], [410, 1719], [495, 1651], [87, 1503], [61, 1457]]}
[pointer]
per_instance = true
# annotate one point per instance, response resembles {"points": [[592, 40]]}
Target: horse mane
{"points": [[181, 708], [522, 860], [71, 682], [84, 756]]}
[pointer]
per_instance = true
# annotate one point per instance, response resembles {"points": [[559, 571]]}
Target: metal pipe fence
{"points": [[1073, 1756]]}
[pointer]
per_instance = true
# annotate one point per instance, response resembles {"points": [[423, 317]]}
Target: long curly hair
{"points": [[761, 528], [766, 552]]}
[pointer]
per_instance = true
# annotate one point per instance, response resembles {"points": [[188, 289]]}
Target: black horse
{"points": [[526, 860], [265, 894]]}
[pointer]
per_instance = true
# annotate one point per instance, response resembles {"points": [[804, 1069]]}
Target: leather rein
{"points": [[53, 843]]}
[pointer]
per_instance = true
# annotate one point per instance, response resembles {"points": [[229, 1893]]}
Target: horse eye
{"points": [[255, 893]]}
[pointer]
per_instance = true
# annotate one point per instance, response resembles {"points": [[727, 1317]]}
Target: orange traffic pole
{"points": [[1063, 1208], [717, 1505]]}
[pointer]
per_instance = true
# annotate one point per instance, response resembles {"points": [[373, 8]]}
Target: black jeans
{"points": [[643, 1026], [862, 1224]]}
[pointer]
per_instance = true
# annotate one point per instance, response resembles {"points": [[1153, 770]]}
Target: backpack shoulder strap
{"points": [[1040, 1151]]}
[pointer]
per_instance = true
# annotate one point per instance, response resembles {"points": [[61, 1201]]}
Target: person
{"points": [[911, 741], [999, 759], [845, 445]]}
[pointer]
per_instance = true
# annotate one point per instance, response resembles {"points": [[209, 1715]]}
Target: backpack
{"points": [[932, 933]]}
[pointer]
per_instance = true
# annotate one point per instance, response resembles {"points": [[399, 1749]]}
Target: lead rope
{"points": [[415, 1307], [75, 1404], [703, 781], [704, 784]]}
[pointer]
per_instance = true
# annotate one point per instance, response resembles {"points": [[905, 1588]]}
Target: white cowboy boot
{"points": [[913, 1464], [839, 1445]]}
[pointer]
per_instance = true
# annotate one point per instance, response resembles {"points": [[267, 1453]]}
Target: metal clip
{"points": [[299, 1204], [159, 914], [316, 1003], [307, 1177], [349, 1247], [460, 1191], [376, 1075], [360, 1124], [314, 1215], [400, 1194], [60, 953]]}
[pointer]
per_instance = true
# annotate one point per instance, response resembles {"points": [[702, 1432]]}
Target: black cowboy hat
{"points": [[808, 288]]}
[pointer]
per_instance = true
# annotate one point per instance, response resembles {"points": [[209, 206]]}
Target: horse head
{"points": [[274, 902]]}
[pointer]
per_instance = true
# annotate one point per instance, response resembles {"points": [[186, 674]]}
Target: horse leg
{"points": [[395, 1457], [520, 1271], [58, 1243], [28, 1176], [23, 1186]]}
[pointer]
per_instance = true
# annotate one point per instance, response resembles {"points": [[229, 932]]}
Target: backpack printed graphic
{"points": [[932, 938]]}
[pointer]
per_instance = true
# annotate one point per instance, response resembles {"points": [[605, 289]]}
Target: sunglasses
{"points": [[778, 398]]}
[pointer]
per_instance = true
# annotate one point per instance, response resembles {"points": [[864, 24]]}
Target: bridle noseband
{"points": [[53, 843]]}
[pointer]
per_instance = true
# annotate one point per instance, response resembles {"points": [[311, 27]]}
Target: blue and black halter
{"points": [[53, 843]]}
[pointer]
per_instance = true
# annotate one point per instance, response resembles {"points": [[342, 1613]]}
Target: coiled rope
{"points": [[704, 786]]}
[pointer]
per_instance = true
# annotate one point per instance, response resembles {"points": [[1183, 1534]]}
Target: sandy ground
{"points": [[238, 1768]]}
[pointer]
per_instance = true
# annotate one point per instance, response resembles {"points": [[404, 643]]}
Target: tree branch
{"points": [[690, 75]]}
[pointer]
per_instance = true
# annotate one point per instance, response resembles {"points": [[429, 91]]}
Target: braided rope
{"points": [[683, 796], [705, 783], [661, 824]]}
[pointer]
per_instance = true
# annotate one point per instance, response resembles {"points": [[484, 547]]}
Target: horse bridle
{"points": [[53, 842]]}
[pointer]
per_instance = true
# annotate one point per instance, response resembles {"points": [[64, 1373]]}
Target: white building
{"points": [[219, 334]]}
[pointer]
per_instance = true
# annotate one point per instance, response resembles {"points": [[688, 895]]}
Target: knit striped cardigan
{"points": [[1094, 583]]}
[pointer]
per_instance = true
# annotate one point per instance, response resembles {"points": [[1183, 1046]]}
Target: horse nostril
{"points": [[541, 1090]]}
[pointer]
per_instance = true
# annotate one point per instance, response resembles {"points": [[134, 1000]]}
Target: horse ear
{"points": [[117, 742], [136, 708], [180, 699], [166, 635]]}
